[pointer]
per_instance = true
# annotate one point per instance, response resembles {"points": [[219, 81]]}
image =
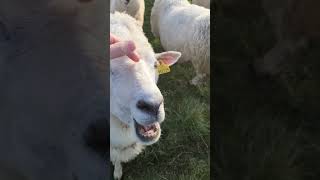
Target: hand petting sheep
{"points": [[136, 102], [124, 48]]}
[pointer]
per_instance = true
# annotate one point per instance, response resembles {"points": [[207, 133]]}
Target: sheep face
{"points": [[135, 98]]}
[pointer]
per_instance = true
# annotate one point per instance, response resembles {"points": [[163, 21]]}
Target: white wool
{"points": [[134, 8], [121, 137], [126, 28], [204, 3], [131, 82], [184, 27]]}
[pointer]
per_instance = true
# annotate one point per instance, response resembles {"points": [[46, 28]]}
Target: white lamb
{"points": [[134, 8], [184, 27], [136, 103], [204, 3]]}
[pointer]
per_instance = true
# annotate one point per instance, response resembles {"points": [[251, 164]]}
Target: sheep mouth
{"points": [[147, 133]]}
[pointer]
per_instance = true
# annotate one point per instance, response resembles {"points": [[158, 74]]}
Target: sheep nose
{"points": [[147, 107]]}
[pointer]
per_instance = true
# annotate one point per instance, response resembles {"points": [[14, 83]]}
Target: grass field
{"points": [[183, 150]]}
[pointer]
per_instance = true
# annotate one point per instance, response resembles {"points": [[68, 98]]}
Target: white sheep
{"points": [[134, 8], [204, 3], [184, 27], [136, 103]]}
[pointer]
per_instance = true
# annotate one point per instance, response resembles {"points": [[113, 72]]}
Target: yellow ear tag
{"points": [[163, 67]]}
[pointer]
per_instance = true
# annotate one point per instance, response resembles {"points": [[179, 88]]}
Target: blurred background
{"points": [[266, 90]]}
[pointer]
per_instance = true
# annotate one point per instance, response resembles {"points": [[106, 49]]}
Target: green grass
{"points": [[182, 152]]}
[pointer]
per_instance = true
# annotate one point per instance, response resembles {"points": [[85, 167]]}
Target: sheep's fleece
{"points": [[131, 83], [184, 27], [134, 8], [204, 3]]}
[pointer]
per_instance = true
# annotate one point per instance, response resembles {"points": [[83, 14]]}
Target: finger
{"points": [[131, 54], [121, 49], [134, 56], [113, 39]]}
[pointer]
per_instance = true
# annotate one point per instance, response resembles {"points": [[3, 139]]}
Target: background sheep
{"points": [[204, 3], [136, 103], [184, 27], [135, 8]]}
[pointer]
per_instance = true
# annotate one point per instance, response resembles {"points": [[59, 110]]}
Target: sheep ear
{"points": [[168, 57]]}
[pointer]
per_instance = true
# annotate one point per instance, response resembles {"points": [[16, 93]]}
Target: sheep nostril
{"points": [[148, 107]]}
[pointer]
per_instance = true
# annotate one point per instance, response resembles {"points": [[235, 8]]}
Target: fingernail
{"points": [[135, 59]]}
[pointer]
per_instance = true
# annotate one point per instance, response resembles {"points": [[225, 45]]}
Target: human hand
{"points": [[122, 48]]}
